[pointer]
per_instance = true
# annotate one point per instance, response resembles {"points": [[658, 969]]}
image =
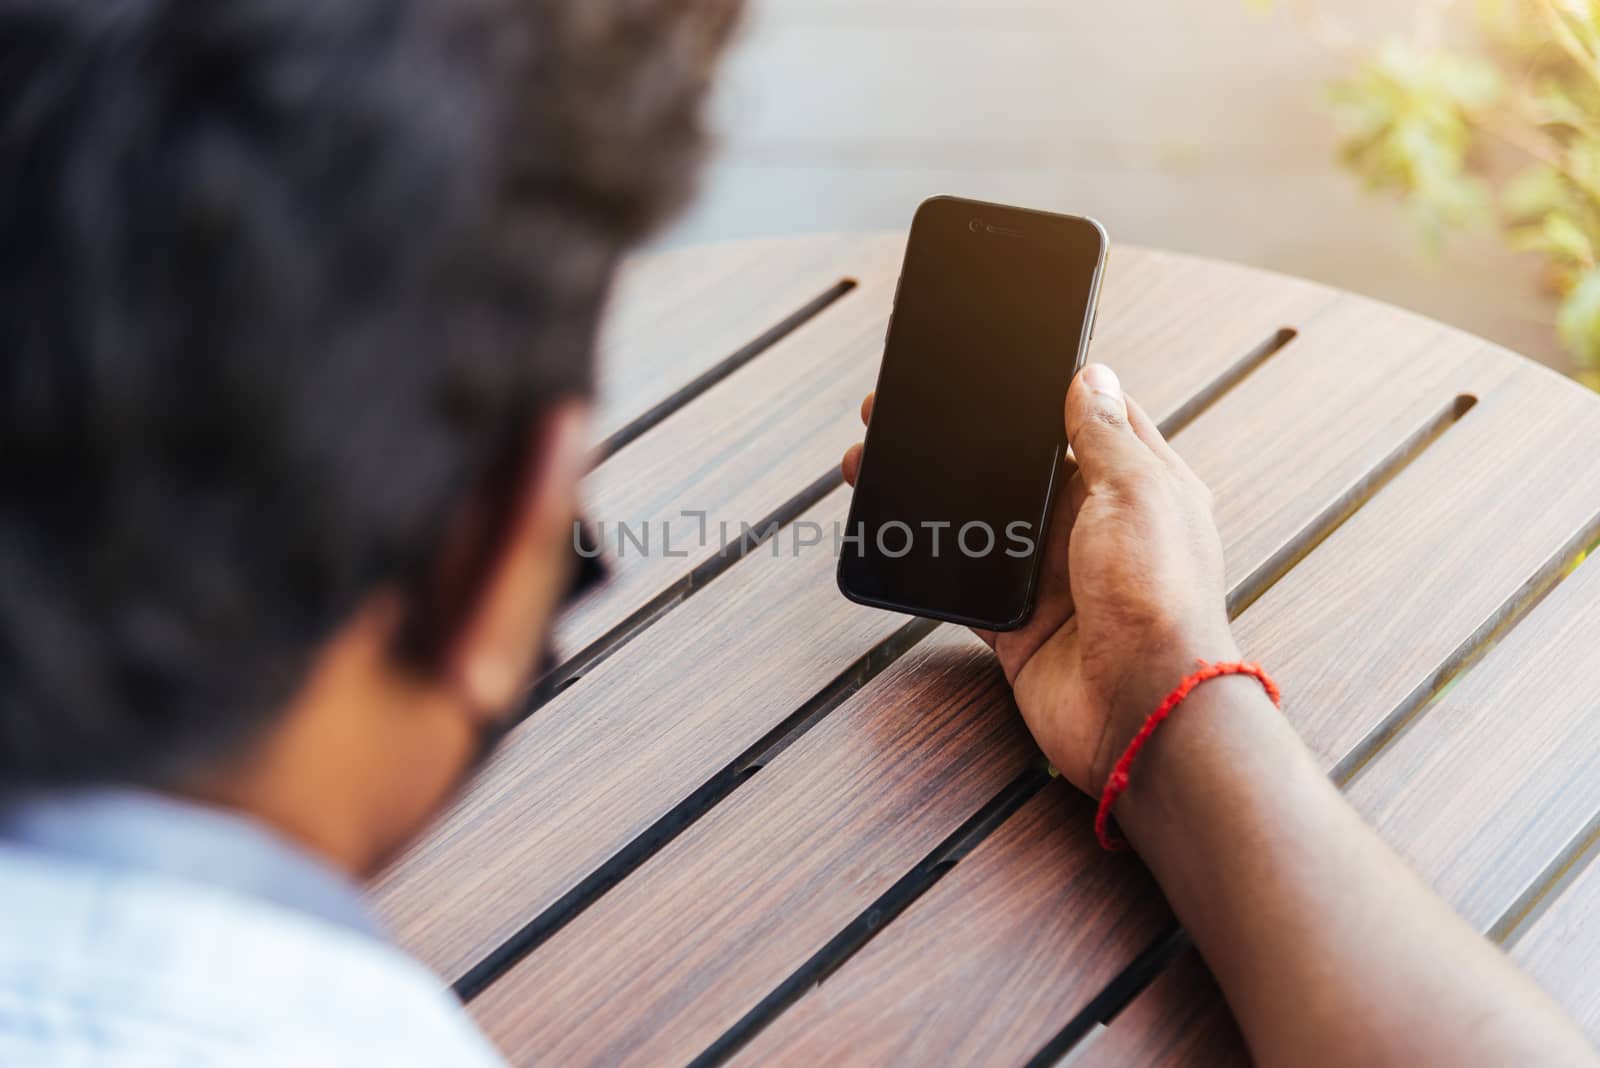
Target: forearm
{"points": [[1329, 949]]}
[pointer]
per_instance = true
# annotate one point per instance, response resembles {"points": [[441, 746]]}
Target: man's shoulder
{"points": [[106, 966]]}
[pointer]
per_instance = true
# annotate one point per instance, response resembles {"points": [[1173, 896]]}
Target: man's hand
{"points": [[1133, 548]]}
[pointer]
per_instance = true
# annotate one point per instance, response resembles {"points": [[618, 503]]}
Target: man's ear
{"points": [[516, 535]]}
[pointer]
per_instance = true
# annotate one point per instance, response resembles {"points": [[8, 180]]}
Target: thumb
{"points": [[1102, 440]]}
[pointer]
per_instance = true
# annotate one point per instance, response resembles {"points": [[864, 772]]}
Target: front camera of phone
{"points": [[976, 226]]}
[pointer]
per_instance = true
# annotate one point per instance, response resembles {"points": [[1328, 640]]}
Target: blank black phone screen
{"points": [[966, 436]]}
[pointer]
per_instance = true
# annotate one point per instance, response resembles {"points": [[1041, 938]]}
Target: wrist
{"points": [[1224, 741], [1162, 663]]}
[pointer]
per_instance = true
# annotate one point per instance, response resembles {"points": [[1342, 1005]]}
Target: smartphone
{"points": [[992, 319]]}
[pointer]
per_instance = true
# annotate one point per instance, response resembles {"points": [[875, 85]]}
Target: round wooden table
{"points": [[746, 820]]}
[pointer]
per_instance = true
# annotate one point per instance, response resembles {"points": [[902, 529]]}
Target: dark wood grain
{"points": [[1487, 793], [603, 762], [1374, 645], [1061, 905], [1562, 947], [676, 314], [854, 804], [741, 451], [1497, 781], [836, 807], [1490, 789], [1499, 502], [1181, 1019], [1019, 936], [600, 764], [736, 454], [1500, 780]]}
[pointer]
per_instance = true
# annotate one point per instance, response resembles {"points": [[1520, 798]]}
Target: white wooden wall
{"points": [[1188, 124]]}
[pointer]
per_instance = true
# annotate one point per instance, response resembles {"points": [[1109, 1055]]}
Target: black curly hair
{"points": [[280, 282]]}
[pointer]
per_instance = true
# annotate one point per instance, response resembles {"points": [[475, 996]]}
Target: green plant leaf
{"points": [[1410, 119], [1558, 236], [1405, 115], [1579, 319], [1534, 193]]}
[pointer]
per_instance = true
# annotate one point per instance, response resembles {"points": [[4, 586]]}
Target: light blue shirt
{"points": [[138, 831], [140, 930]]}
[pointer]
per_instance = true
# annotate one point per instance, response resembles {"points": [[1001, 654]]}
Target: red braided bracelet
{"points": [[1118, 780]]}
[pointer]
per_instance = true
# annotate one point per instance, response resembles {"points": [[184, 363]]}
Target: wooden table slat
{"points": [[1561, 947], [1347, 651], [1180, 1018], [736, 454], [1523, 721], [661, 899], [918, 751], [679, 313], [599, 765], [938, 1010], [1485, 840], [603, 762], [902, 801], [1516, 454]]}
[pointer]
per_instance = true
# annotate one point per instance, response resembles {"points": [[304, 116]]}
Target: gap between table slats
{"points": [[511, 850], [647, 420], [1021, 791], [1030, 782], [727, 452], [1300, 595], [680, 319], [1341, 458], [983, 822], [1493, 836], [735, 456], [1560, 945], [813, 710], [1491, 839], [1569, 867], [683, 815]]}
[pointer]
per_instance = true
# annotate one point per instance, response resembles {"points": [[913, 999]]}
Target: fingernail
{"points": [[1102, 380]]}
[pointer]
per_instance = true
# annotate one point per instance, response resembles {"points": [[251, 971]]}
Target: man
{"points": [[297, 299]]}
